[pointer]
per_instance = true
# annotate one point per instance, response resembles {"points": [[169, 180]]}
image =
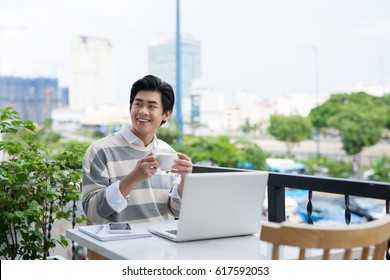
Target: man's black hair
{"points": [[154, 83]]}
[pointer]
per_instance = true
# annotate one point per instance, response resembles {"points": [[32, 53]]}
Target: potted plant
{"points": [[35, 190]]}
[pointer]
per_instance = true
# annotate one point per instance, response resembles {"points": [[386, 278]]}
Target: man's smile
{"points": [[143, 120]]}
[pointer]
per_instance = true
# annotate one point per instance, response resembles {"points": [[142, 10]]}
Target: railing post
{"points": [[347, 210], [309, 207], [276, 201]]}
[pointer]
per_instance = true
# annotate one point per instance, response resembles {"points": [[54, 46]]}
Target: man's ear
{"points": [[167, 115]]}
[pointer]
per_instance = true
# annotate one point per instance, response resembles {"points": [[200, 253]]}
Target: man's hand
{"points": [[183, 165], [146, 167]]}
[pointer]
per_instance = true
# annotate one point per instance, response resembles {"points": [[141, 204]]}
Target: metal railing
{"points": [[278, 182]]}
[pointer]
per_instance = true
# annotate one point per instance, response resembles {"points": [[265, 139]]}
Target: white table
{"points": [[158, 248], [248, 247]]}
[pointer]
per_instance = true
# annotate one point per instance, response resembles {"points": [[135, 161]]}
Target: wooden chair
{"points": [[371, 235]]}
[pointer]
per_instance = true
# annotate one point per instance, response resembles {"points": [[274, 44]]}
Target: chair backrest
{"points": [[371, 235]]}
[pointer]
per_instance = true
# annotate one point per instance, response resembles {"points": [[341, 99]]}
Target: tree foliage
{"points": [[329, 167], [34, 190], [252, 153], [381, 169], [359, 117], [337, 103], [170, 135], [290, 129], [217, 150], [385, 101], [359, 128]]}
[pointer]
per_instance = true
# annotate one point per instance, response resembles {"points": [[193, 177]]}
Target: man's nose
{"points": [[144, 110]]}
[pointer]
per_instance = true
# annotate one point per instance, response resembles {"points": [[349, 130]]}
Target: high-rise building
{"points": [[162, 63], [207, 109], [33, 98], [92, 74]]}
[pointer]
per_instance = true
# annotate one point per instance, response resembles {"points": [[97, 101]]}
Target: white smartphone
{"points": [[119, 228]]}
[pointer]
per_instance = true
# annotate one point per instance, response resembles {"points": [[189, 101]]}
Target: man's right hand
{"points": [[146, 167]]}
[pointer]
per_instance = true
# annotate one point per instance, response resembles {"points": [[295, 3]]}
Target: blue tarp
{"points": [[284, 166], [288, 168]]}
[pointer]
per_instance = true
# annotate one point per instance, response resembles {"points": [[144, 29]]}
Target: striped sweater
{"points": [[109, 160]]}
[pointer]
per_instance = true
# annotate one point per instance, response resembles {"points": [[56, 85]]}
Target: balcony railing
{"points": [[278, 182]]}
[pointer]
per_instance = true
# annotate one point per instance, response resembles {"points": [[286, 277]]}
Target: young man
{"points": [[121, 179]]}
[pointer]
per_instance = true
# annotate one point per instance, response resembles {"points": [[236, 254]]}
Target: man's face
{"points": [[146, 114]]}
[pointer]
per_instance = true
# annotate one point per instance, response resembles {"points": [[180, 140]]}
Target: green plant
{"points": [[291, 130], [35, 191], [381, 168], [360, 119], [329, 167], [251, 153], [218, 150]]}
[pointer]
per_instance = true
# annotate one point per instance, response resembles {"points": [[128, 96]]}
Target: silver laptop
{"points": [[216, 205]]}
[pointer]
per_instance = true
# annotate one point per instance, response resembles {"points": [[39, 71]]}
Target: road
{"points": [[327, 147]]}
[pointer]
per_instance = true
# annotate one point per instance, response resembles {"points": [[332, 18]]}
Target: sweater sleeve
{"points": [[95, 183]]}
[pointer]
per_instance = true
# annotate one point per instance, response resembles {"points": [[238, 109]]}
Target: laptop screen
{"points": [[222, 204]]}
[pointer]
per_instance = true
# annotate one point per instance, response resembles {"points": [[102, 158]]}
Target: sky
{"points": [[266, 48]]}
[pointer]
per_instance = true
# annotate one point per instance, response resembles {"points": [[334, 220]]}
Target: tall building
{"points": [[162, 63], [91, 88], [207, 109], [92, 73], [33, 98]]}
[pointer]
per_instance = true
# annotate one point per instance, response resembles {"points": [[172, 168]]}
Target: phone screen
{"points": [[120, 226]]}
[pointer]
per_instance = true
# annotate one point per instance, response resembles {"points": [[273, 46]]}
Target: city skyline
{"points": [[265, 49]]}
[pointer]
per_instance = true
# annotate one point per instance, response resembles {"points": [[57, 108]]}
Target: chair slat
{"points": [[326, 254], [347, 254], [302, 253], [365, 253]]}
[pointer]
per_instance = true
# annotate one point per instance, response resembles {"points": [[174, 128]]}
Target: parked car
{"points": [[363, 206], [284, 166], [327, 212]]}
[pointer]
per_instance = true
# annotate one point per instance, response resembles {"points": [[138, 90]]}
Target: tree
{"points": [[359, 117], [381, 169], [385, 100], [246, 128], [320, 115], [329, 167], [252, 153], [359, 129], [290, 129], [218, 150]]}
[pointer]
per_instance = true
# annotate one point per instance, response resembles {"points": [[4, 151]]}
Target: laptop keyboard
{"points": [[173, 231]]}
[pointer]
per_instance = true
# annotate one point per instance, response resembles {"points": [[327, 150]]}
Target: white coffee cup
{"points": [[166, 160]]}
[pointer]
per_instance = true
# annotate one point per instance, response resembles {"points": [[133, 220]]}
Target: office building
{"points": [[33, 98], [207, 109], [91, 88], [92, 74], [162, 63]]}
